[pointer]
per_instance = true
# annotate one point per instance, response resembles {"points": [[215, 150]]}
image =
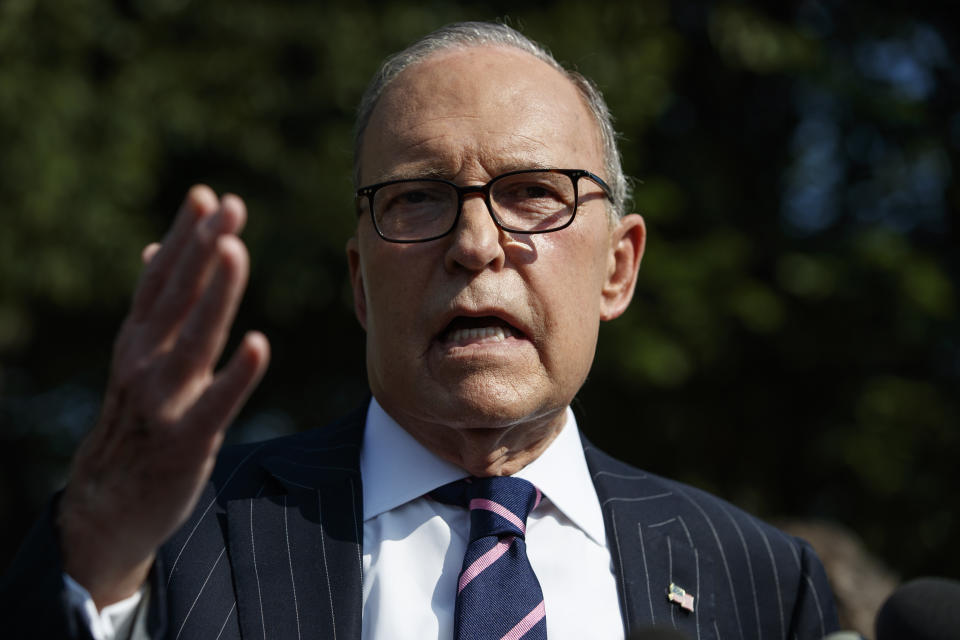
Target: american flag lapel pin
{"points": [[678, 595]]}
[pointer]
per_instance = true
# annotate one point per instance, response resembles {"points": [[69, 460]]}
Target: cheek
{"points": [[391, 346], [578, 320], [395, 297], [576, 267], [575, 284]]}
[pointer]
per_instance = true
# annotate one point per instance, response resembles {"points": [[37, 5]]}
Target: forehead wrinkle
{"points": [[427, 159], [410, 135]]}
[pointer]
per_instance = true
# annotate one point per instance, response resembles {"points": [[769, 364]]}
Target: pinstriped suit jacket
{"points": [[274, 549]]}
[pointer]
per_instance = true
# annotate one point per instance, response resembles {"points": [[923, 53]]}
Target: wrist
{"points": [[109, 568]]}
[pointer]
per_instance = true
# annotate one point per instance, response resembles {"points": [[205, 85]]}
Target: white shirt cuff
{"points": [[115, 620]]}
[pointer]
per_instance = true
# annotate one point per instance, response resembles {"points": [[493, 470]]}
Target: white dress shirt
{"points": [[413, 547]]}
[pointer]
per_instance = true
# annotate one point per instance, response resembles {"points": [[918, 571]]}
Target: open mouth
{"points": [[464, 330]]}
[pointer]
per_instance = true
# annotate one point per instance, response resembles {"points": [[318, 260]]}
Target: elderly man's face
{"points": [[537, 300]]}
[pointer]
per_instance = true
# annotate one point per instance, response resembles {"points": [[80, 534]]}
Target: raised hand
{"points": [[138, 474]]}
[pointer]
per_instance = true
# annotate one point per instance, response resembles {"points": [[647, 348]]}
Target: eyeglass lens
{"points": [[526, 202]]}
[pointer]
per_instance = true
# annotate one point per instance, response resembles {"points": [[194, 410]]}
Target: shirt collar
{"points": [[396, 469]]}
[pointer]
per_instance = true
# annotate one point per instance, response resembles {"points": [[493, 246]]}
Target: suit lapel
{"points": [[296, 547], [651, 549]]}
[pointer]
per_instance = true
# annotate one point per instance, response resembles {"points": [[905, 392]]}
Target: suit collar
{"points": [[314, 459]]}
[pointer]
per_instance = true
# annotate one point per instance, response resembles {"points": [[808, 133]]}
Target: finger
{"points": [[204, 332], [149, 252], [191, 272], [231, 387], [238, 218], [200, 203]]}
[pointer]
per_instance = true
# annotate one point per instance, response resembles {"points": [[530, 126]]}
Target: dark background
{"points": [[793, 344]]}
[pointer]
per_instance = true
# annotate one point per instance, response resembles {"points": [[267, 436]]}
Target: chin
{"points": [[490, 405]]}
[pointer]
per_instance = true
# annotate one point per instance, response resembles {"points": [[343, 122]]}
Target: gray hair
{"points": [[462, 35]]}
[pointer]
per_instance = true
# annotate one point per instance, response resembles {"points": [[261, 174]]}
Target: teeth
{"points": [[496, 334]]}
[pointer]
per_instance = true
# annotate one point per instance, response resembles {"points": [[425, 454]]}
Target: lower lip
{"points": [[477, 346]]}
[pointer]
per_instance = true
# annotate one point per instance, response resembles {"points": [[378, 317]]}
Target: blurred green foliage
{"points": [[794, 341]]}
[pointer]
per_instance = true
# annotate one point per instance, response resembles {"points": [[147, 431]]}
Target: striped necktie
{"points": [[498, 595]]}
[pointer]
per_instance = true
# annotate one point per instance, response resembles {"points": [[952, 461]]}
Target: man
{"points": [[491, 241]]}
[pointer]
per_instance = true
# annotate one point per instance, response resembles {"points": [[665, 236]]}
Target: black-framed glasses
{"points": [[524, 201]]}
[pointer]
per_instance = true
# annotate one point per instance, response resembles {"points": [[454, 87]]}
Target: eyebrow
{"points": [[414, 174], [432, 171]]}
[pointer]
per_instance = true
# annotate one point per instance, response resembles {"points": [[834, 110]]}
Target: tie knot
{"points": [[498, 506]]}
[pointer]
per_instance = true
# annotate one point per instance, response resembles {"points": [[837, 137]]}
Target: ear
{"points": [[627, 241], [356, 282]]}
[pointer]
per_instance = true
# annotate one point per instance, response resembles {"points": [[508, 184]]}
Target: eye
{"points": [[405, 197], [417, 196], [537, 191], [534, 192]]}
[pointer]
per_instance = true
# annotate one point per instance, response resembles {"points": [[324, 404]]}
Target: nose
{"points": [[475, 242]]}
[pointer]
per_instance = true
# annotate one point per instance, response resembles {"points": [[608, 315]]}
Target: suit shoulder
{"points": [[240, 469], [704, 516]]}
